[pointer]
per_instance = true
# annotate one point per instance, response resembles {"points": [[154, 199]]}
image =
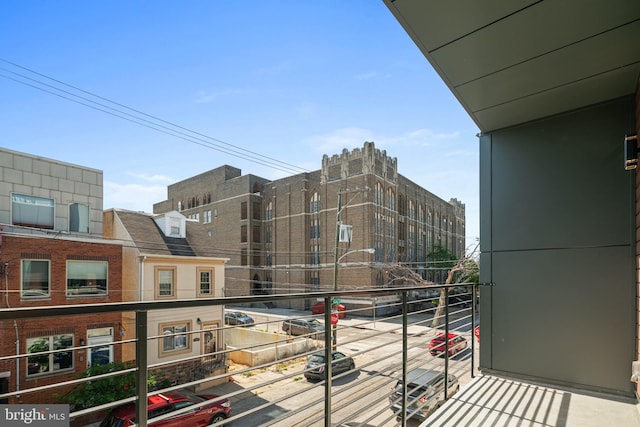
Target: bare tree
{"points": [[460, 272]]}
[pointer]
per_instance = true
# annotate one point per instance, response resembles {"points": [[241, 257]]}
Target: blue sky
{"points": [[291, 80]]}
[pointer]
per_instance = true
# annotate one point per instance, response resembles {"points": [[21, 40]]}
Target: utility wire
{"points": [[172, 128]]}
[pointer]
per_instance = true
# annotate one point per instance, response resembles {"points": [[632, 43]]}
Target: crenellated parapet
{"points": [[359, 161]]}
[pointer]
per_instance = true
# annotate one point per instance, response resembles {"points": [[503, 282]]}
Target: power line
{"points": [[141, 118]]}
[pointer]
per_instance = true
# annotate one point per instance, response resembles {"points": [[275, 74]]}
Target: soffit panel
{"points": [[615, 84], [528, 34], [511, 62], [441, 21], [559, 68]]}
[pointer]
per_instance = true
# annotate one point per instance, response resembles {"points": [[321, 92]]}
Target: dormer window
{"points": [[172, 224], [175, 227]]}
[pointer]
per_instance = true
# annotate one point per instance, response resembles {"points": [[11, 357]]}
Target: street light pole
{"points": [[336, 259]]}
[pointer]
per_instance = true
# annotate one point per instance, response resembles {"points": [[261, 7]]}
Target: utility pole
{"points": [[336, 258]]}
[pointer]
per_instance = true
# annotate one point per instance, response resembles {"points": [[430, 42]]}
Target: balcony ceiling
{"points": [[514, 61]]}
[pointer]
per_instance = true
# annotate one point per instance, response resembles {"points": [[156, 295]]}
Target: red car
{"points": [[318, 308], [456, 344], [161, 404], [476, 332]]}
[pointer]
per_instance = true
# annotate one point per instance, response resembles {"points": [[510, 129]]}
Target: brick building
{"points": [[52, 253], [280, 236]]}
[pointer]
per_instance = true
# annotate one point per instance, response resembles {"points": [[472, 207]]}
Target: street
{"points": [[279, 395]]}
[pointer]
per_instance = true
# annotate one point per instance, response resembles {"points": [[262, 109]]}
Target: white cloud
{"points": [[151, 178], [371, 75], [135, 197], [204, 97], [334, 142]]}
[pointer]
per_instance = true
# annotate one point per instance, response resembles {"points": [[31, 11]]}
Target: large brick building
{"points": [[281, 236]]}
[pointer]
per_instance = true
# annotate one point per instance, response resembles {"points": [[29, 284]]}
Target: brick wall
{"points": [[56, 250]]}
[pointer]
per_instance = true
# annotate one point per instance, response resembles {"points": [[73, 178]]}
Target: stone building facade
{"points": [[283, 236]]}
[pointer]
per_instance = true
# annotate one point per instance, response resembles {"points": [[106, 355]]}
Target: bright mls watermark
{"points": [[34, 415]]}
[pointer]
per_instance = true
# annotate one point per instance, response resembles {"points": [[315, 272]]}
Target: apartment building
{"points": [[52, 253], [285, 235]]}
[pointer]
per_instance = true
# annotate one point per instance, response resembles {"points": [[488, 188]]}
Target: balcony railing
{"points": [[386, 350]]}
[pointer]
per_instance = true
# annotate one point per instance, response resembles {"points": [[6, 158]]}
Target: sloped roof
{"points": [[513, 61], [148, 237]]}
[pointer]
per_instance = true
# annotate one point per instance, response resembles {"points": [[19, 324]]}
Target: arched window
{"points": [[379, 195], [391, 199], [314, 205]]}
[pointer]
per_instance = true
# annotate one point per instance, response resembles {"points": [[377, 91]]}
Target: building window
{"points": [[35, 279], [243, 234], [315, 203], [175, 337], [378, 195], [314, 255], [269, 212], [243, 210], [165, 282], [205, 278], [257, 209], [243, 257], [79, 218], [314, 280], [314, 232], [175, 227], [31, 211], [50, 362], [257, 233], [86, 278], [101, 350]]}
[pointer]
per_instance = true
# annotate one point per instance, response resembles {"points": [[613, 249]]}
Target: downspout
{"points": [[5, 270], [143, 258]]}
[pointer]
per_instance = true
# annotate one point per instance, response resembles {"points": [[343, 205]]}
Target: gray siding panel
{"points": [[557, 233]]}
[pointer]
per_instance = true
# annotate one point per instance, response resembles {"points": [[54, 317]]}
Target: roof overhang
{"points": [[513, 61]]}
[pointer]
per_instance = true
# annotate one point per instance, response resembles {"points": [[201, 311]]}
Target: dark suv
{"points": [[426, 392], [311, 327]]}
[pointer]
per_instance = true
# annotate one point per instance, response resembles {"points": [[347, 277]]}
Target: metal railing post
{"points": [[405, 344], [328, 338], [141, 372], [474, 289], [446, 343]]}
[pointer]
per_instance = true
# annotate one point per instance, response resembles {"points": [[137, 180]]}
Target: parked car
{"points": [[161, 404], [340, 362], [457, 344], [460, 301], [311, 327], [425, 390], [238, 318], [318, 308], [476, 332]]}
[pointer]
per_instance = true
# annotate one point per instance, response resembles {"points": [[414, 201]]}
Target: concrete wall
{"points": [[557, 239], [266, 347]]}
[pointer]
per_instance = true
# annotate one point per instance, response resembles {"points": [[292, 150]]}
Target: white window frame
{"points": [[103, 337], [160, 292], [37, 362], [211, 272], [175, 338]]}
